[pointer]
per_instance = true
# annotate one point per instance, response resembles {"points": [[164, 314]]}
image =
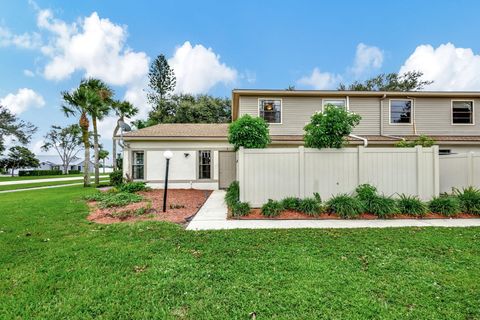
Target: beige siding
{"points": [[369, 109], [432, 116]]}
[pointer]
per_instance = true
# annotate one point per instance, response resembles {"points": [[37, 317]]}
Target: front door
{"points": [[227, 168]]}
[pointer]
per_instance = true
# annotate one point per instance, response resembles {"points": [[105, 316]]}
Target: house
{"points": [[52, 162], [204, 159]]}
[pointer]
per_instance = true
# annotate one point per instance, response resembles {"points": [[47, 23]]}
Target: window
{"points": [[462, 112], [400, 111], [444, 151], [339, 103], [270, 110], [204, 164], [138, 165]]}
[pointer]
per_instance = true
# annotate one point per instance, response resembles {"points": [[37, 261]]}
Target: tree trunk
{"points": [[114, 146], [103, 165], [86, 144], [13, 171], [95, 150]]}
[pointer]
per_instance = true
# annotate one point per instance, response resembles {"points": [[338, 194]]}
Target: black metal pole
{"points": [[165, 188]]}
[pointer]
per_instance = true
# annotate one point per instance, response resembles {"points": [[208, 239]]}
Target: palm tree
{"points": [[78, 103], [98, 111], [102, 155], [123, 109]]}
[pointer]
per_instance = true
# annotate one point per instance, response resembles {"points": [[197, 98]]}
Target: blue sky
{"points": [[48, 46]]}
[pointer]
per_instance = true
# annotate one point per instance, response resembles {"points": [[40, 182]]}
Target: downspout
{"points": [[365, 141], [414, 118]]}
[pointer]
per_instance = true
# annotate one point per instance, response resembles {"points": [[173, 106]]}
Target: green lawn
{"points": [[4, 178], [55, 264], [43, 184]]}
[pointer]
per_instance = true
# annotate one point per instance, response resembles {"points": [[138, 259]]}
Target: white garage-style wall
{"points": [[184, 165]]}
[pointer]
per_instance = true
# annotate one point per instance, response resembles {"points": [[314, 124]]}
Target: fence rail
{"points": [[276, 173]]}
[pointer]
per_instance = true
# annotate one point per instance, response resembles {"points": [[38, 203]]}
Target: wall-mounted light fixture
{"points": [[186, 154]]}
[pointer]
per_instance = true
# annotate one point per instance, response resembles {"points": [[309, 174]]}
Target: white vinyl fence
{"points": [[276, 173], [459, 171]]}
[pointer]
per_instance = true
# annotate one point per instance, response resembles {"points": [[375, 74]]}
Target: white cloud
{"points": [[22, 100], [25, 40], [449, 67], [320, 80], [28, 73], [93, 45], [367, 58], [198, 69]]}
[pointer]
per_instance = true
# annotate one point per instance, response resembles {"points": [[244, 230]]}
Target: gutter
{"points": [[365, 141]]}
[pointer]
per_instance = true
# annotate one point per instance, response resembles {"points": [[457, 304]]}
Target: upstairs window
{"points": [[339, 103], [270, 110], [400, 111], [462, 112], [204, 164], [138, 165]]}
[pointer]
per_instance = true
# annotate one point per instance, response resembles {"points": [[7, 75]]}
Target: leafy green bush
{"points": [[366, 192], [249, 132], [232, 195], [36, 173], [469, 199], [446, 205], [132, 187], [116, 178], [291, 203], [345, 206], [310, 206], [411, 205], [382, 206], [241, 209], [73, 171], [422, 140], [272, 208], [97, 196], [329, 129], [119, 199]]}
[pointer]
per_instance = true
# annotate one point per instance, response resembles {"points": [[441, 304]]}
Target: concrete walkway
{"points": [[213, 216], [8, 183]]}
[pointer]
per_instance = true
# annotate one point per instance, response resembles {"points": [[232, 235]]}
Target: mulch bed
{"points": [[256, 214], [182, 204]]}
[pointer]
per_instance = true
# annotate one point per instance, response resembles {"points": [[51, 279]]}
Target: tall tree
{"points": [[162, 80], [98, 111], [11, 126], [19, 157], [103, 155], [408, 81], [79, 103], [66, 141], [123, 109]]}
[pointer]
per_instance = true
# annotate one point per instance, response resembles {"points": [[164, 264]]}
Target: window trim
{"points": [[281, 109], [347, 107], [211, 164], [144, 164], [473, 112], [412, 113]]}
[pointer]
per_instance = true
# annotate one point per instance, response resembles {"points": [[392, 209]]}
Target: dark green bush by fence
{"points": [[36, 173], [116, 178]]}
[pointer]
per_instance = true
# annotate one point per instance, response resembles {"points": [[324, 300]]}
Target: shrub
{"points": [[232, 195], [116, 178], [469, 199], [422, 140], [119, 199], [382, 206], [241, 209], [345, 206], [411, 205], [446, 205], [132, 187], [366, 192], [249, 132], [97, 196], [329, 129], [73, 171], [291, 203], [36, 173], [310, 206], [272, 208]]}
